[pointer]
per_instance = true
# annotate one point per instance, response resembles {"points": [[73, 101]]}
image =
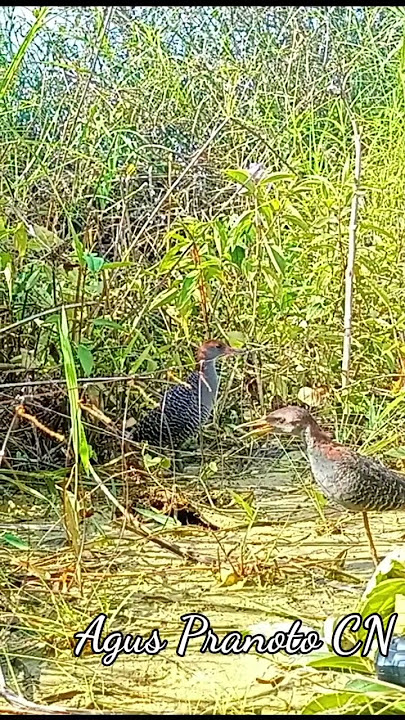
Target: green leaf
{"points": [[45, 236], [24, 487], [212, 271], [384, 591], [80, 445], [355, 663], [379, 291], [14, 541], [377, 229], [236, 339], [220, 236], [150, 461], [365, 685], [11, 70], [276, 257], [139, 360], [161, 519], [240, 223], [94, 262], [187, 289], [238, 255], [5, 259], [163, 298], [79, 248], [33, 278], [107, 322], [335, 700], [240, 176], [21, 239], [314, 180], [381, 600], [276, 177], [249, 510], [400, 610], [115, 265], [398, 453], [86, 359], [268, 212], [171, 257], [296, 220]]}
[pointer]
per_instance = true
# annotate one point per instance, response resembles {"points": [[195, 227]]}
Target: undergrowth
{"points": [[172, 175]]}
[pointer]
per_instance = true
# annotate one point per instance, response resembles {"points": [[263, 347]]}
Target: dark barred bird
{"points": [[353, 481], [185, 407]]}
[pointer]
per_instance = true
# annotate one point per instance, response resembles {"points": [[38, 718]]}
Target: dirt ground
{"points": [[294, 561]]}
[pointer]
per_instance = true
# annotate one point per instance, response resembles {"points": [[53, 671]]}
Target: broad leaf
{"points": [[94, 262], [86, 359], [21, 239], [14, 541], [335, 701]]}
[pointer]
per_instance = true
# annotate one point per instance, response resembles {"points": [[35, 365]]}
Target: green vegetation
{"points": [[168, 175], [108, 202]]}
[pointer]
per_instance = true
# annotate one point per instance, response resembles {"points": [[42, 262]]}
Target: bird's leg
{"points": [[370, 539]]}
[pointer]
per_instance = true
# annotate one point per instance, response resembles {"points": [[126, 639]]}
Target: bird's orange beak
{"points": [[261, 426]]}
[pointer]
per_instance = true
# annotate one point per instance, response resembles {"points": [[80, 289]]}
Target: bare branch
{"points": [[351, 255]]}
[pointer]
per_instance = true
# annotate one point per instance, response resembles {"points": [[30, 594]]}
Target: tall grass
{"points": [[132, 225], [124, 134]]}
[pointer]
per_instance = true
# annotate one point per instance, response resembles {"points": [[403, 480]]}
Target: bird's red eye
{"points": [[218, 345]]}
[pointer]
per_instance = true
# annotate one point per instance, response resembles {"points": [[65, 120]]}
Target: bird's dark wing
{"points": [[178, 417], [374, 486]]}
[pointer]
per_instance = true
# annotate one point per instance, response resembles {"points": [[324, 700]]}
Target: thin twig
{"points": [[62, 381], [253, 131], [41, 314], [100, 379], [6, 439], [136, 527], [178, 180]]}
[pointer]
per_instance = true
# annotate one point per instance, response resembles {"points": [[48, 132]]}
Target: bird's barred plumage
{"points": [[354, 481], [365, 484], [187, 406], [179, 417]]}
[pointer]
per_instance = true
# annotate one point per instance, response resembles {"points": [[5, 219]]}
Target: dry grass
{"points": [[290, 563]]}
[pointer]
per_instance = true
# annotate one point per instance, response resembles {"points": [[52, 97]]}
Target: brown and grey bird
{"points": [[353, 481], [187, 406]]}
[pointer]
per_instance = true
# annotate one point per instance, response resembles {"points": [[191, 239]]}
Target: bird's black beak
{"points": [[233, 351]]}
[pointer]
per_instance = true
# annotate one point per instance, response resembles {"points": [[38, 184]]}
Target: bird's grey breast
{"points": [[325, 472], [208, 383]]}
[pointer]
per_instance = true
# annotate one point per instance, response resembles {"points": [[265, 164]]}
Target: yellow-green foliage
{"points": [[125, 191]]}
